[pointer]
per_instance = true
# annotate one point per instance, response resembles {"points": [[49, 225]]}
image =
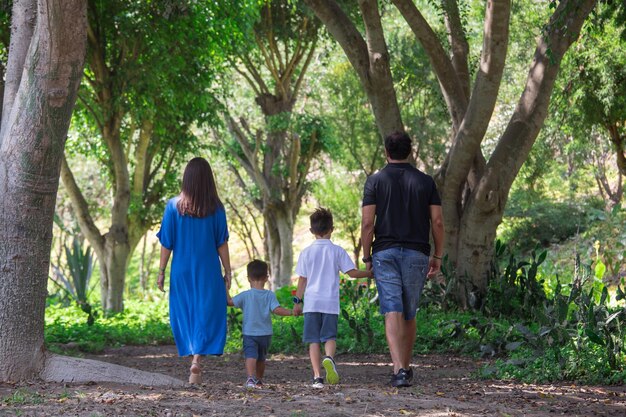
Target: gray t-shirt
{"points": [[257, 306]]}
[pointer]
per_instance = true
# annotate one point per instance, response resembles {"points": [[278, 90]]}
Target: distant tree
{"points": [[592, 98], [339, 191], [150, 70], [276, 155], [43, 73]]}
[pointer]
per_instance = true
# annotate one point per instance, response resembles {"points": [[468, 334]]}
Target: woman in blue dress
{"points": [[194, 229]]}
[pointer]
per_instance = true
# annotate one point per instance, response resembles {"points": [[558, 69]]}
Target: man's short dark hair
{"points": [[398, 145], [257, 270], [321, 221]]}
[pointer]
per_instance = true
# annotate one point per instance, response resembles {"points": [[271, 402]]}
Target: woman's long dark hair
{"points": [[198, 197]]}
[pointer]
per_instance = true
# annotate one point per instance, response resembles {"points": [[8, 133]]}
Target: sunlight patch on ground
{"points": [[364, 363], [164, 355]]}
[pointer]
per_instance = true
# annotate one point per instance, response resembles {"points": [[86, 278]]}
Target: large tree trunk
{"points": [[485, 206], [36, 120]]}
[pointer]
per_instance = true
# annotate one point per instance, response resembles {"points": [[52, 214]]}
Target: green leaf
{"points": [[513, 346], [613, 317], [600, 269], [593, 336]]}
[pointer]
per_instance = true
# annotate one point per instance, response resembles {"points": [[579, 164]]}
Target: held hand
{"points": [[161, 281], [297, 309], [368, 266]]}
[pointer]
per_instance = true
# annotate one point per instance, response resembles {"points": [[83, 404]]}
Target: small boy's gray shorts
{"points": [[255, 347]]}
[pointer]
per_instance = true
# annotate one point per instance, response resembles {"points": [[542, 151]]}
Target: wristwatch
{"points": [[297, 300], [367, 259]]}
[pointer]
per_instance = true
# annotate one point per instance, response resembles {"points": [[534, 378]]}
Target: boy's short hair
{"points": [[398, 145], [257, 270], [321, 221]]}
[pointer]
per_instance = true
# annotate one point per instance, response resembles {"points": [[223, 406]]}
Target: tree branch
{"points": [[345, 33], [139, 177], [458, 42], [95, 115], [81, 208], [465, 150], [449, 81], [23, 17], [517, 140]]}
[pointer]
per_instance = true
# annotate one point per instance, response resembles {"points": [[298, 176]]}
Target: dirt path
{"points": [[444, 386]]}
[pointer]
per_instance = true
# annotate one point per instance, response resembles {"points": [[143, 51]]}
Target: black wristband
{"points": [[367, 259]]}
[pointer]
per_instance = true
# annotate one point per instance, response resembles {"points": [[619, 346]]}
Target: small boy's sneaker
{"points": [[252, 382], [401, 379], [332, 376], [318, 383]]}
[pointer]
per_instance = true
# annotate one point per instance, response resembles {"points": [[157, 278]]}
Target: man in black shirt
{"points": [[401, 208]]}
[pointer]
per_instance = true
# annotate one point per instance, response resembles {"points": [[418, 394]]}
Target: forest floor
{"points": [[444, 385]]}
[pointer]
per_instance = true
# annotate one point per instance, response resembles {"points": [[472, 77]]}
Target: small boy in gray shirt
{"points": [[257, 304]]}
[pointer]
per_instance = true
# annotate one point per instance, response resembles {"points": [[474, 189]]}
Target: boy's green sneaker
{"points": [[332, 376]]}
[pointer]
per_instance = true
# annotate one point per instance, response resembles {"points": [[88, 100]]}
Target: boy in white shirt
{"points": [[318, 288]]}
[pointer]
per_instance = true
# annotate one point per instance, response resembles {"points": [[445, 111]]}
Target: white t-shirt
{"points": [[320, 264]]}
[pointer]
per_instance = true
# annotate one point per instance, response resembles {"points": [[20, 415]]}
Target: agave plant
{"points": [[76, 287]]}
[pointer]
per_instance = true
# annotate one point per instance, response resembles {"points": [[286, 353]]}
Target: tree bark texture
{"points": [[31, 148]]}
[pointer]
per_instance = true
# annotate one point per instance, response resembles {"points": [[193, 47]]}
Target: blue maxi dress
{"points": [[197, 289]]}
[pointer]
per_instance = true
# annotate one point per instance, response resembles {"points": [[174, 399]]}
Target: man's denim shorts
{"points": [[255, 347], [400, 274], [319, 327]]}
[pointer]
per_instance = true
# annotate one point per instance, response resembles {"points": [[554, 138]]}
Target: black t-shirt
{"points": [[403, 195]]}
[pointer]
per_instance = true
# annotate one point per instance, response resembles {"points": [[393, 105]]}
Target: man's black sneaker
{"points": [[401, 379]]}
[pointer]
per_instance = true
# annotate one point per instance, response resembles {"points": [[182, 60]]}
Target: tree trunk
{"points": [[279, 233], [483, 211], [113, 273], [31, 147]]}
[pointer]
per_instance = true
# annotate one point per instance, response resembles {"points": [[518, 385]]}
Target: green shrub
{"points": [[541, 223], [140, 324]]}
